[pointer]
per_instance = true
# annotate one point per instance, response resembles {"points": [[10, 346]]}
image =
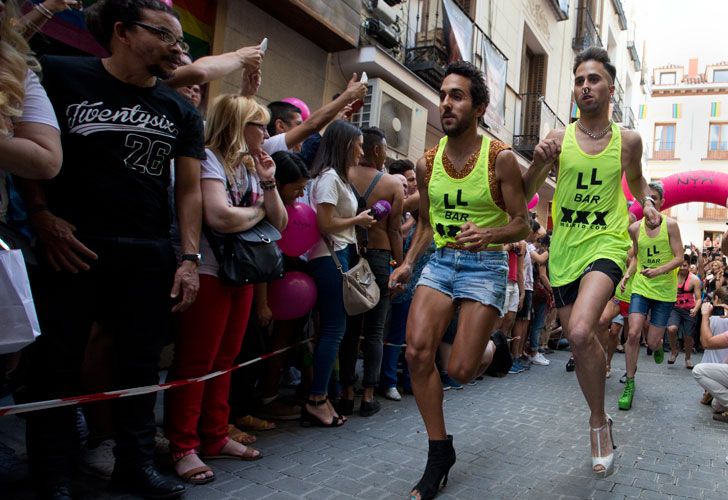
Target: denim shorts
{"points": [[659, 311], [464, 275]]}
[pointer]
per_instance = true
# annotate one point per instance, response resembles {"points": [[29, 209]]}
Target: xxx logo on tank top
{"points": [[584, 219]]}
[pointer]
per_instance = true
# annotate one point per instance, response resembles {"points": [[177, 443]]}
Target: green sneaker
{"points": [[625, 400], [659, 355]]}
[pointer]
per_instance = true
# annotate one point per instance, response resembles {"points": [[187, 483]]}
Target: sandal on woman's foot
{"points": [[251, 423], [228, 451], [239, 436], [308, 419], [188, 467], [688, 364]]}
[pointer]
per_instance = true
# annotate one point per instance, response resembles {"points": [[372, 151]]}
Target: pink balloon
{"points": [[625, 188], [301, 233], [534, 201], [305, 112], [696, 185], [291, 297]]}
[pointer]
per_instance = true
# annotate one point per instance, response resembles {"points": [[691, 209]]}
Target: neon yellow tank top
{"points": [[627, 295], [652, 253], [453, 202], [589, 209]]}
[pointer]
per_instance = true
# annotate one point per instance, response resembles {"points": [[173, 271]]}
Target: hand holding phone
{"points": [[264, 45]]}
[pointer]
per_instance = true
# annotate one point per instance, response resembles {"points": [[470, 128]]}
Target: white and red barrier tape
{"points": [[123, 393]]}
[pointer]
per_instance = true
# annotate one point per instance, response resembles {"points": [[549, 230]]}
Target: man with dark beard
{"points": [[471, 202], [103, 228]]}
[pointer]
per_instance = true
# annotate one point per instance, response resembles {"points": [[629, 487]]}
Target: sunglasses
{"points": [[164, 35]]}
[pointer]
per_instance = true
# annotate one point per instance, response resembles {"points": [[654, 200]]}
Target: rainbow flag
{"points": [[677, 110], [196, 16], [575, 113], [714, 109], [198, 22], [642, 112]]}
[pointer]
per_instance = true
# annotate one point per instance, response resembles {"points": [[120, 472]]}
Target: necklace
{"points": [[594, 135]]}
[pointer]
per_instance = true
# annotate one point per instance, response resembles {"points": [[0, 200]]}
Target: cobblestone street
{"points": [[524, 436]]}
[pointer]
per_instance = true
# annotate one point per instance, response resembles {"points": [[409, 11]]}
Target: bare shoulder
{"points": [[671, 223], [631, 138], [634, 227]]}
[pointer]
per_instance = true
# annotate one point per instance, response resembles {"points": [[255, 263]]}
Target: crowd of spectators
{"points": [[107, 166]]}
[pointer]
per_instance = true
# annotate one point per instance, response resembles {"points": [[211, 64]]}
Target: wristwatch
{"points": [[192, 257]]}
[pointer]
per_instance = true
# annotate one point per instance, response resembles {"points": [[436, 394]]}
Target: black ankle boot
{"points": [[440, 458], [146, 482]]}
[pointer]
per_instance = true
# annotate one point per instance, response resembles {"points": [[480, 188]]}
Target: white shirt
{"points": [[329, 188], [37, 108], [276, 143]]}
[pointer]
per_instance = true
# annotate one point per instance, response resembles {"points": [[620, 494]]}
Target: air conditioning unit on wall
{"points": [[403, 121]]}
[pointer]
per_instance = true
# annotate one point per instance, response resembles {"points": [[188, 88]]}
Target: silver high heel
{"points": [[607, 463]]}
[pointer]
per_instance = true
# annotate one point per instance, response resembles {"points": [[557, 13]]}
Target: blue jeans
{"points": [[390, 356], [660, 311], [332, 317], [537, 323]]}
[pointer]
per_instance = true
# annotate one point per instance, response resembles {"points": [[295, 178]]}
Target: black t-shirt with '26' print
{"points": [[118, 141]]}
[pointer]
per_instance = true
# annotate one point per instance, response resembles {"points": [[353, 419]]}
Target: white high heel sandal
{"points": [[606, 462]]}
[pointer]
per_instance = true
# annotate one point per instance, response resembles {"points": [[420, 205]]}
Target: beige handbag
{"points": [[360, 289]]}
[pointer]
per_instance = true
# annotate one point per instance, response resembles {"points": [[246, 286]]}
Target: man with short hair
{"points": [[382, 247], [659, 253], [407, 169], [590, 238], [681, 324], [471, 203], [103, 224]]}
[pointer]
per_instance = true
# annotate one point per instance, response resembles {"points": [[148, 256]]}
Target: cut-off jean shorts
{"points": [[464, 275]]}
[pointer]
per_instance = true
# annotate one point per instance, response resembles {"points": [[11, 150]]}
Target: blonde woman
{"points": [[238, 191], [30, 144]]}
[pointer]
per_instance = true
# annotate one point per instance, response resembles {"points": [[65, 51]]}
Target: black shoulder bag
{"points": [[250, 256]]}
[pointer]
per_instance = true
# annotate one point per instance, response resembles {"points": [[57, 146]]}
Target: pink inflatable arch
{"points": [[684, 187]]}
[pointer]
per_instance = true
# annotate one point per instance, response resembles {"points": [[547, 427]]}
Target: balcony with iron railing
{"points": [[587, 34], [535, 115], [427, 51], [560, 10], [629, 120], [617, 102], [619, 10], [634, 55]]}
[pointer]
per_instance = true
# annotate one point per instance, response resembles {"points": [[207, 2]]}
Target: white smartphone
{"points": [[364, 77], [264, 45]]}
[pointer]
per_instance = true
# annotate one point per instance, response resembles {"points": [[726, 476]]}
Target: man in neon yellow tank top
{"points": [[659, 253], [590, 239], [471, 202]]}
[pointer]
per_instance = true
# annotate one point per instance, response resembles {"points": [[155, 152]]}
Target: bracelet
{"points": [[648, 198], [267, 185], [36, 209], [43, 10]]}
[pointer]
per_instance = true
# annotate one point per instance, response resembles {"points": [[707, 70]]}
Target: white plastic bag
{"points": [[18, 320]]}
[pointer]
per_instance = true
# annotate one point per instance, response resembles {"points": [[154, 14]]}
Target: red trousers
{"points": [[207, 338]]}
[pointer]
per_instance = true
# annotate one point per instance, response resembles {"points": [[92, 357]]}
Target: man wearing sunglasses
{"points": [[103, 227]]}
